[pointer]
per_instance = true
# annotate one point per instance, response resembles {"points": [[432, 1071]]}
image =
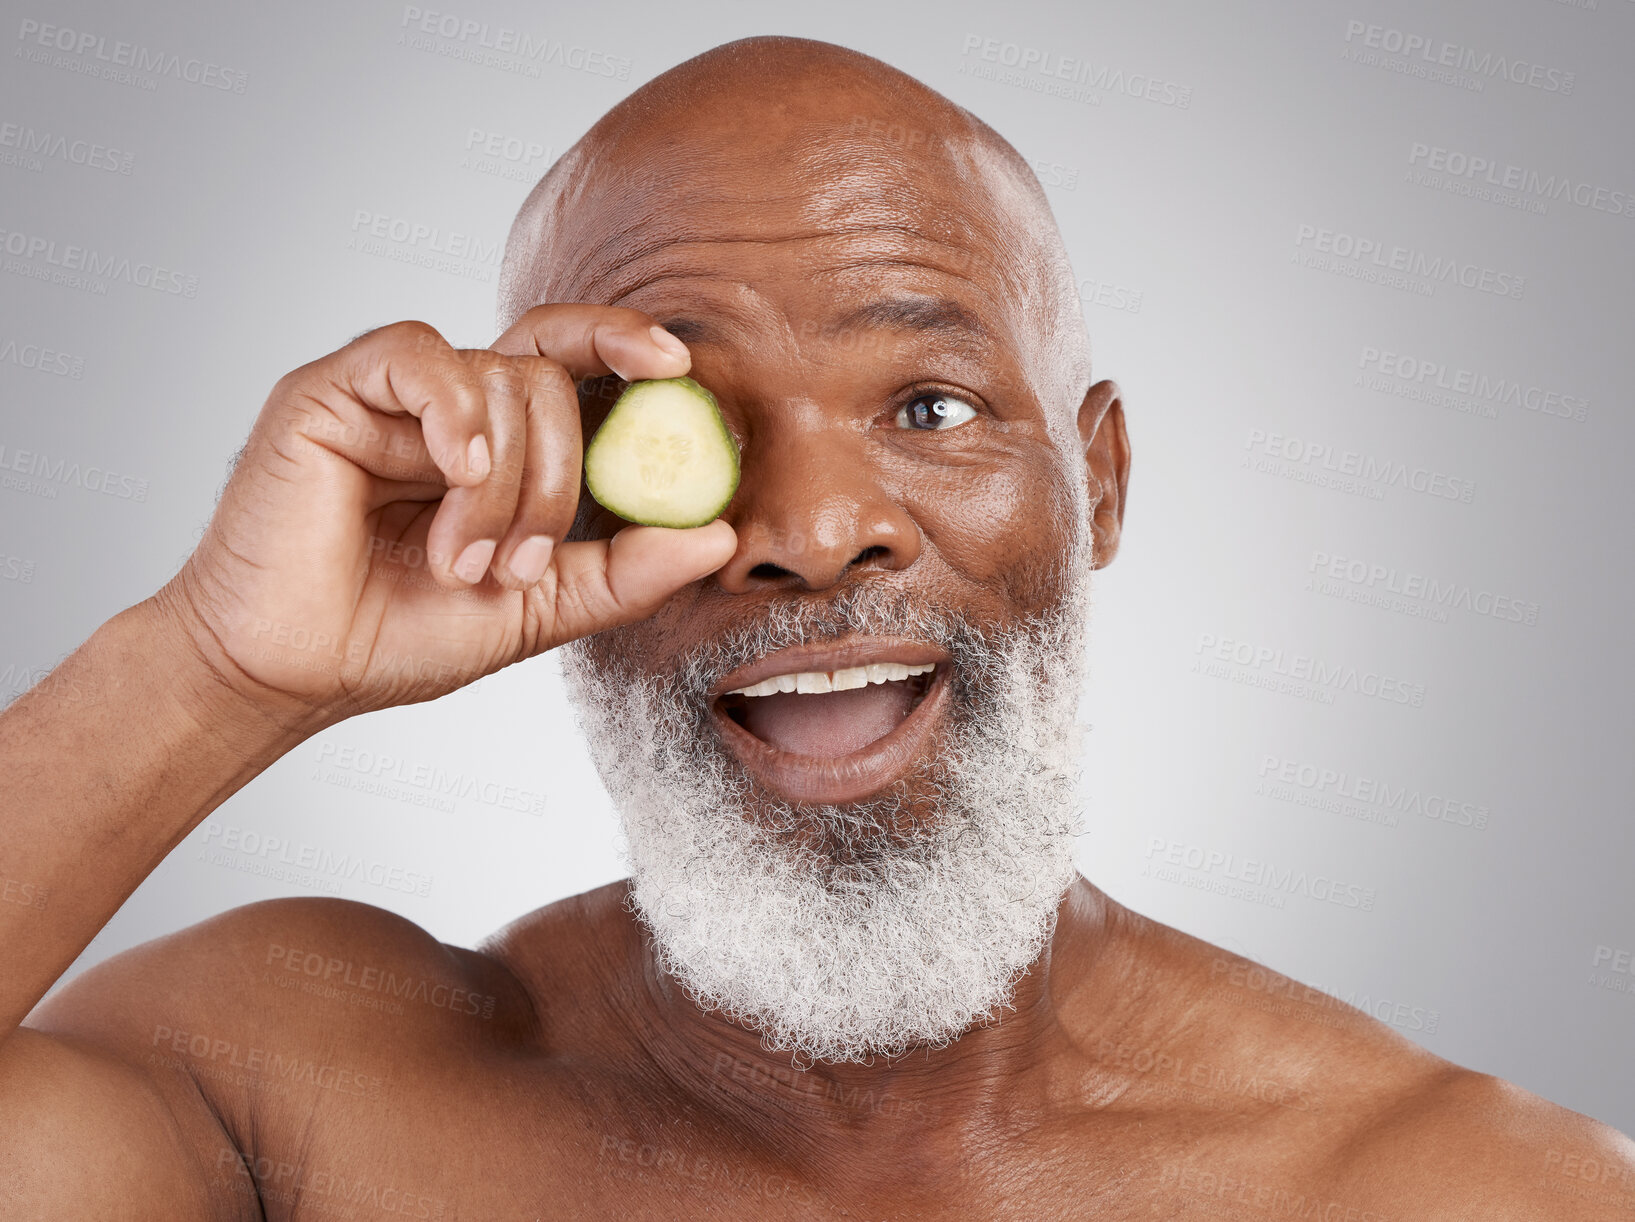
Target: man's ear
{"points": [[1107, 454]]}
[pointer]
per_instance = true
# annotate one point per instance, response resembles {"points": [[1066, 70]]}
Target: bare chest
{"points": [[528, 1143]]}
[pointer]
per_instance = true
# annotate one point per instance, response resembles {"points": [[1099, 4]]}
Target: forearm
{"points": [[109, 763]]}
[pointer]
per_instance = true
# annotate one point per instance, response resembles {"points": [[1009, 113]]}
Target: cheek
{"points": [[1004, 527]]}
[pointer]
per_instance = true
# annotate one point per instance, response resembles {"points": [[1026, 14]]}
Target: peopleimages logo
{"points": [[224, 842], [431, 238], [1281, 880], [33, 147], [1484, 171], [83, 266], [41, 358], [393, 769], [15, 568], [1280, 454], [1304, 669], [46, 473], [1110, 296], [494, 46], [419, 244], [1370, 259], [1316, 1002], [1051, 72], [1428, 52], [1466, 390], [506, 156], [1279, 773], [1448, 595], [93, 54]]}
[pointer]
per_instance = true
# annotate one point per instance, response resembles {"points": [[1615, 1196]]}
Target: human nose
{"points": [[810, 509]]}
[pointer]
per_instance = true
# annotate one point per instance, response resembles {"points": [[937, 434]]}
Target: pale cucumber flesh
{"points": [[664, 456]]}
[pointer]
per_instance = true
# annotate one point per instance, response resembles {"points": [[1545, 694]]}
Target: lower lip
{"points": [[842, 778]]}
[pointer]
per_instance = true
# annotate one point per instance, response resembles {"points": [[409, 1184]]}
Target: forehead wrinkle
{"points": [[910, 311], [914, 310], [596, 279], [980, 331]]}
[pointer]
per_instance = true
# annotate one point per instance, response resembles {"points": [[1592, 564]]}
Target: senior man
{"points": [[854, 974]]}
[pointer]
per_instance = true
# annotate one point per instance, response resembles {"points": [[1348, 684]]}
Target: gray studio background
{"points": [[1363, 270]]}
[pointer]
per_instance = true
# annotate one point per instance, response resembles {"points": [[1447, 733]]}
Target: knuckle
{"points": [[549, 509], [546, 376], [414, 344], [412, 333], [504, 384], [482, 362], [307, 381], [535, 314], [285, 392], [465, 398], [293, 408], [620, 318], [625, 316]]}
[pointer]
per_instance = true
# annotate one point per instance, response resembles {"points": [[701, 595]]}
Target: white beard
{"points": [[850, 931]]}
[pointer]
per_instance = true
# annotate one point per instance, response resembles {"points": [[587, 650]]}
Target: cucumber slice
{"points": [[663, 456]]}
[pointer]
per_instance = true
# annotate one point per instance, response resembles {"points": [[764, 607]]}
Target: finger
{"points": [[466, 531], [607, 582], [390, 447], [548, 492], [409, 369], [470, 408], [592, 341]]}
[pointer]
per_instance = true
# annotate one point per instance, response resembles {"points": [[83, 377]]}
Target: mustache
{"points": [[865, 609], [977, 648]]}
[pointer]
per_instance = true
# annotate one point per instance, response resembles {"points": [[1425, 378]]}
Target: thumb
{"points": [[604, 583]]}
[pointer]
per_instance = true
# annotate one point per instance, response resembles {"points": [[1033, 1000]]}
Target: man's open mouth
{"points": [[818, 731]]}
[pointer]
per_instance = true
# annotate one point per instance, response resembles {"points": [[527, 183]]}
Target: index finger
{"points": [[591, 341]]}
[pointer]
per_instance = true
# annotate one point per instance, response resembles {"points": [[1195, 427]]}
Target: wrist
{"points": [[209, 688]]}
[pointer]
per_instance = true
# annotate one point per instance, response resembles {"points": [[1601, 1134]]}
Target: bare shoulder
{"points": [[280, 967], [154, 1081], [1242, 1015], [311, 972], [1378, 1122], [281, 1015], [1469, 1144]]}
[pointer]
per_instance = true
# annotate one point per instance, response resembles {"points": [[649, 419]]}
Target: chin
{"points": [[858, 903]]}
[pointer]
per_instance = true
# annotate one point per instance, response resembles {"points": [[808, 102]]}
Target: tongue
{"points": [[828, 723]]}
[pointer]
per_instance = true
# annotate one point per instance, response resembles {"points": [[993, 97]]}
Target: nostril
{"points": [[774, 572]]}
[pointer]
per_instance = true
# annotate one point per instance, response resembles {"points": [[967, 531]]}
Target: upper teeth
{"points": [[833, 680]]}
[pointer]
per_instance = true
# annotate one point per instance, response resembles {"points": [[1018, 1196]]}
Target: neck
{"points": [[987, 1072]]}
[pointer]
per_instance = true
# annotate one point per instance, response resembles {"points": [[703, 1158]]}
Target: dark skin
{"points": [[555, 1071]]}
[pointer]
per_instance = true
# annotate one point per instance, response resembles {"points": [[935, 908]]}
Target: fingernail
{"points": [[530, 560], [473, 562], [477, 459], [668, 342]]}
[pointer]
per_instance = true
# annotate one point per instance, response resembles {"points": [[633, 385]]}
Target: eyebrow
{"points": [[936, 315], [929, 315]]}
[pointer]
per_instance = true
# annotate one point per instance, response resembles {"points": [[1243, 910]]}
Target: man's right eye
{"points": [[934, 411]]}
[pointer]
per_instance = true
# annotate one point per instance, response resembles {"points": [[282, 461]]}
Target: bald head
{"points": [[779, 138]]}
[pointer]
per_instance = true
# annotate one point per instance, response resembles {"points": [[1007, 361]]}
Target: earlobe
{"points": [[1107, 455]]}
